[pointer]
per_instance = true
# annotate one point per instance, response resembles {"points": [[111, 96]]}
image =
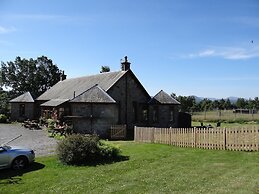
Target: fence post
{"points": [[153, 135], [195, 137], [225, 138]]}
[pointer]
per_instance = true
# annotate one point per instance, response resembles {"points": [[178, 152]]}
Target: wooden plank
{"points": [[243, 139]]}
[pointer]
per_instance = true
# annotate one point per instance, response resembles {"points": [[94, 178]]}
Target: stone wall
{"points": [[15, 111], [163, 116], [131, 99], [94, 118]]}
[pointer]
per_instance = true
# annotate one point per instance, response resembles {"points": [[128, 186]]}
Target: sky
{"points": [[207, 48]]}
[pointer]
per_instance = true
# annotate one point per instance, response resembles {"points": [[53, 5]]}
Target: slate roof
{"points": [[26, 97], [54, 102], [70, 88], [94, 95], [163, 98]]}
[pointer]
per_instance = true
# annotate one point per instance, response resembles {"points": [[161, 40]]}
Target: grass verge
{"points": [[151, 168]]}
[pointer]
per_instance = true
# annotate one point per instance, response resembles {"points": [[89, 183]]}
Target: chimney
{"points": [[63, 76], [125, 65]]}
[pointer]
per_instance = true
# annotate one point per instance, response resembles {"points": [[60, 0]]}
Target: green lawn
{"points": [[151, 168]]}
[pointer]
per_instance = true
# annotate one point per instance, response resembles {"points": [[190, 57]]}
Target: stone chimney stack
{"points": [[125, 65], [63, 76]]}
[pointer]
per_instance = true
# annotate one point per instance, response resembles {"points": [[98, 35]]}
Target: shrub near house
{"points": [[3, 118], [80, 149]]}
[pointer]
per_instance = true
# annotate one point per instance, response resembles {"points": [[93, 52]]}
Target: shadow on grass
{"points": [[100, 162], [10, 176], [103, 162]]}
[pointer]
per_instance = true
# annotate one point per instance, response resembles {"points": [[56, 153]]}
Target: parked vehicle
{"points": [[15, 157]]}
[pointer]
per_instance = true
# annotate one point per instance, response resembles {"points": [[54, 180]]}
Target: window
{"points": [[61, 112], [155, 115], [22, 110], [82, 111], [144, 114]]}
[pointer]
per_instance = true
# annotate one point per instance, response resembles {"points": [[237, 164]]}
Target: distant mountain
{"points": [[198, 99], [231, 98]]}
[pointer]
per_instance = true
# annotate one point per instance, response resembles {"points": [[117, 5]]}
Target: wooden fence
{"points": [[243, 139], [118, 132]]}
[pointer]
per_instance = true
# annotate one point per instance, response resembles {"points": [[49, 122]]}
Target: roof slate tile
{"points": [[94, 95], [70, 88], [163, 98], [26, 97]]}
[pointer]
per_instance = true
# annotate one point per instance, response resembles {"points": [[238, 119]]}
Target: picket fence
{"points": [[242, 139]]}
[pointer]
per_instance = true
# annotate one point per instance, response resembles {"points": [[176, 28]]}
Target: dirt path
{"points": [[37, 140]]}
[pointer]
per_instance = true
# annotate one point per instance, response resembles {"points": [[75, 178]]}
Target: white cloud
{"points": [[206, 53], [231, 53], [5, 30]]}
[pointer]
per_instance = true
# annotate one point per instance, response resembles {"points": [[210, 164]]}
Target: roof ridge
{"points": [[68, 87], [85, 76], [25, 97], [161, 96], [111, 100]]}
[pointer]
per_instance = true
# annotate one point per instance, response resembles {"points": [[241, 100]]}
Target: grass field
{"points": [[224, 115], [151, 168], [226, 124]]}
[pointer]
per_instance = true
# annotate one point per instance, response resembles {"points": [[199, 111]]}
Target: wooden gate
{"points": [[118, 132]]}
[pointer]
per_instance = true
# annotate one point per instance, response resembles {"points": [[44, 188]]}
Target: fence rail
{"points": [[243, 139]]}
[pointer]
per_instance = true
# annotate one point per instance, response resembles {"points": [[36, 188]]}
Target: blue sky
{"points": [[207, 48]]}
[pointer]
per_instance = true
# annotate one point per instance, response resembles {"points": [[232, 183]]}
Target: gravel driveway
{"points": [[37, 140]]}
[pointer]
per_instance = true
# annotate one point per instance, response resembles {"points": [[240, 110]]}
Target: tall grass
{"points": [[224, 116]]}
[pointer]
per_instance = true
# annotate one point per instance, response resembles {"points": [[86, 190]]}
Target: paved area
{"points": [[37, 140]]}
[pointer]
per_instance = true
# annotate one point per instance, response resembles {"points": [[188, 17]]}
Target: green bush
{"points": [[51, 124], [108, 151], [3, 118], [80, 149]]}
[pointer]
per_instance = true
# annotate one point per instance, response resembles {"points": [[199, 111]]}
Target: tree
{"points": [[4, 99], [222, 104], [256, 103], [187, 103], [228, 104], [216, 104], [34, 76], [241, 103], [206, 104], [105, 69]]}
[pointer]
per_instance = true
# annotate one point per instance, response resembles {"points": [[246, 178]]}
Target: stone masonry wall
{"points": [[15, 111], [131, 98], [94, 118]]}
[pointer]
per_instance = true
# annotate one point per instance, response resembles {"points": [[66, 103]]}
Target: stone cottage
{"points": [[22, 107], [94, 103]]}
